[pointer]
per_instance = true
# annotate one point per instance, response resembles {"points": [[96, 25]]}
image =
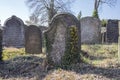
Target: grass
{"points": [[9, 53], [100, 63], [98, 53]]}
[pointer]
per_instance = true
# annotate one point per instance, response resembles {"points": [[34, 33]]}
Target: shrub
{"points": [[72, 49], [95, 14]]}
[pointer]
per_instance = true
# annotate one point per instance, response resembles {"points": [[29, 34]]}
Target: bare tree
{"points": [[98, 3], [46, 9], [33, 19]]}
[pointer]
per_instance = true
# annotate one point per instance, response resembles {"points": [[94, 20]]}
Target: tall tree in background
{"points": [[33, 19], [46, 9], [79, 15], [98, 3]]}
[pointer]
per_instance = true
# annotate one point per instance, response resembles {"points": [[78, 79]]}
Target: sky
{"points": [[19, 8]]}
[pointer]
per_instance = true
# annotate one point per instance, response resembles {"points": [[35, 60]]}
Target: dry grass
{"points": [[100, 63], [62, 75]]}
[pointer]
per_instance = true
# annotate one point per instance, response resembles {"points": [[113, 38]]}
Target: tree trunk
{"points": [[51, 11], [96, 5]]}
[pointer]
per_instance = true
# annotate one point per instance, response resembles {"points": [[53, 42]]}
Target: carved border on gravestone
{"points": [[15, 17], [65, 20], [33, 45], [84, 33], [21, 23]]}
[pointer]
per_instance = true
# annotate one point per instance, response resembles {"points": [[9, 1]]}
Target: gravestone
{"points": [[33, 40], [90, 30], [63, 39], [0, 44], [13, 32], [112, 31], [119, 42], [103, 35]]}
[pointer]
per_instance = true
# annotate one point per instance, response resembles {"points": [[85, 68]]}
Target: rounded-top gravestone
{"points": [[33, 40], [13, 32], [90, 30], [63, 39]]}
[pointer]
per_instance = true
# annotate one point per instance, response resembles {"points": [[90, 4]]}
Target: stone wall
{"points": [[90, 30]]}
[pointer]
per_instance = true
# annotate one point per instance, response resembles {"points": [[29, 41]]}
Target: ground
{"points": [[100, 62]]}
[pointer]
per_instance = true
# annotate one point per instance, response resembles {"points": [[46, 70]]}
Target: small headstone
{"points": [[13, 32], [90, 30], [63, 39], [33, 40]]}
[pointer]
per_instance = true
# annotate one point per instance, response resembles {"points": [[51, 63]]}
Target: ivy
{"points": [[49, 40], [72, 48]]}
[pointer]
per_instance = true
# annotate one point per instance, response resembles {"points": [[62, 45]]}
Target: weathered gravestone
{"points": [[112, 31], [63, 40], [33, 40], [90, 30], [0, 44], [13, 32]]}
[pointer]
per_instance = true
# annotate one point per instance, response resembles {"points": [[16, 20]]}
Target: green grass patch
{"points": [[97, 53], [9, 53]]}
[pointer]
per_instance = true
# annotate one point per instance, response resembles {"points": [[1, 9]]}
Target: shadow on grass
{"points": [[91, 57], [22, 67], [111, 72], [30, 66]]}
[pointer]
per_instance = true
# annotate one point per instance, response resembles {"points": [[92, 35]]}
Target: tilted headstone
{"points": [[13, 32], [112, 31], [0, 44], [90, 30], [63, 39], [33, 40]]}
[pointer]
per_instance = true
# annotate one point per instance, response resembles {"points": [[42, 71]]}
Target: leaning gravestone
{"points": [[90, 30], [63, 40], [0, 44], [13, 32], [33, 40]]}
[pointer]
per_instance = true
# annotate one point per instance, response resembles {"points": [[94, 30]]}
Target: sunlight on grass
{"points": [[9, 53], [101, 54], [99, 61], [101, 50]]}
